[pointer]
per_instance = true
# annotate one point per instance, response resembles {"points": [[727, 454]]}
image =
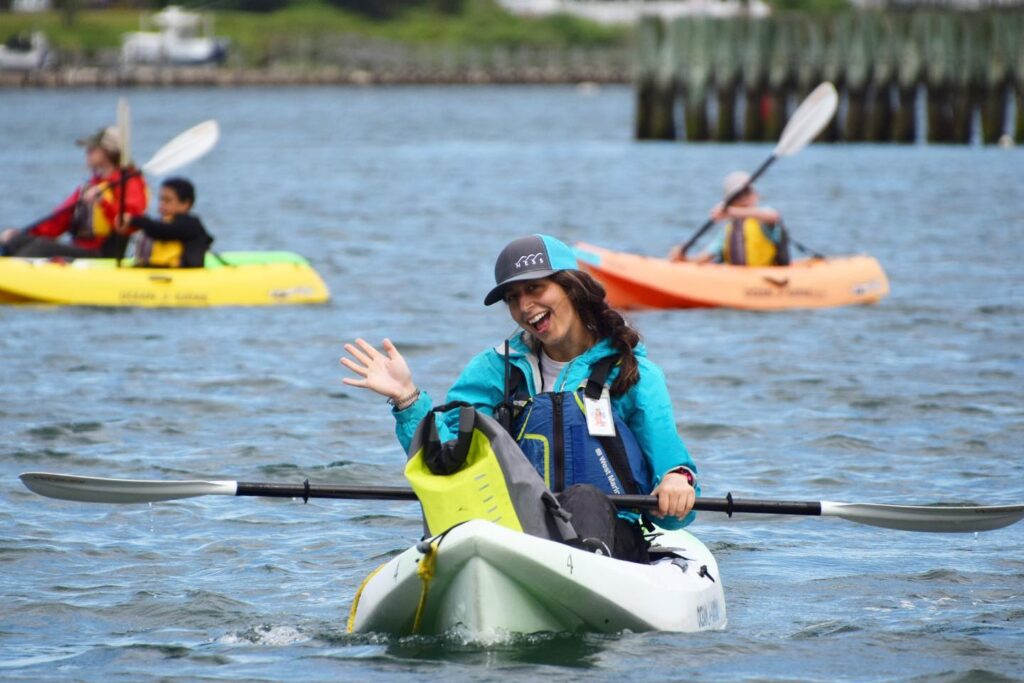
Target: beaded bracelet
{"points": [[685, 471], [405, 401]]}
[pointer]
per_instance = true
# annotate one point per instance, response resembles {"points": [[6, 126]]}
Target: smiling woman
{"points": [[575, 389]]}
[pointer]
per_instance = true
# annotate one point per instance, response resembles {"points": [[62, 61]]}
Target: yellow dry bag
{"points": [[480, 475]]}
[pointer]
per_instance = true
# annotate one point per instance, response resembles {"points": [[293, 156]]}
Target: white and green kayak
{"points": [[486, 582]]}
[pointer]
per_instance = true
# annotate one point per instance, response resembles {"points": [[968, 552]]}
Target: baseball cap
{"points": [[734, 182], [108, 139], [529, 258]]}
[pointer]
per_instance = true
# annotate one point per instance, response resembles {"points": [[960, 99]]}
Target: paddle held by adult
{"points": [[929, 518], [183, 149], [809, 119]]}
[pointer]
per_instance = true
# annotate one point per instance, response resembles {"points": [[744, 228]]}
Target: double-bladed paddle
{"points": [[934, 518], [809, 119]]}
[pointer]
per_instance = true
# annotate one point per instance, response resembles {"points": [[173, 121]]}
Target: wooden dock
{"points": [[940, 76]]}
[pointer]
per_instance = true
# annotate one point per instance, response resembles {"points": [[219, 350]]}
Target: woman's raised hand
{"points": [[388, 375]]}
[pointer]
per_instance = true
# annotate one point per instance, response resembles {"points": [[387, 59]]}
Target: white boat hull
{"points": [[490, 582]]}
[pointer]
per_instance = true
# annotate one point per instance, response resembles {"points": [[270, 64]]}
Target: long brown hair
{"points": [[604, 322]]}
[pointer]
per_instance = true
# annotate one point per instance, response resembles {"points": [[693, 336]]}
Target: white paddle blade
{"points": [[184, 149], [124, 130], [809, 119], [926, 517], [99, 490]]}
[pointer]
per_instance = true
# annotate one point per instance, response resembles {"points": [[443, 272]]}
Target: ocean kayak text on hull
{"points": [[485, 582], [251, 278], [634, 281]]}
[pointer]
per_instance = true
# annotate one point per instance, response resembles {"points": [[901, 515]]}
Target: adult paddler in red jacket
{"points": [[89, 213]]}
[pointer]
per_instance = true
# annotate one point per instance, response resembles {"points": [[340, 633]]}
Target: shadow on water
{"points": [[578, 651]]}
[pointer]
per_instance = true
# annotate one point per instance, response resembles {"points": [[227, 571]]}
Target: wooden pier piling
{"points": [[969, 66]]}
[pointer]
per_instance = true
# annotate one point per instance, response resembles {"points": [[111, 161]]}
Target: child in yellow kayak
{"points": [[754, 236], [177, 241]]}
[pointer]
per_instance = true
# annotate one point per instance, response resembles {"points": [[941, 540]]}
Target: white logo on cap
{"points": [[530, 260]]}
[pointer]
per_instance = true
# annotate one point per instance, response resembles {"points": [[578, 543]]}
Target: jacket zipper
{"points": [[559, 439]]}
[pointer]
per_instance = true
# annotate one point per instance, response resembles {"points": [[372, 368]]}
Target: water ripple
{"points": [[401, 197]]}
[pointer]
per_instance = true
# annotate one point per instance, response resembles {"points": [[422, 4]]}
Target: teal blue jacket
{"points": [[646, 408]]}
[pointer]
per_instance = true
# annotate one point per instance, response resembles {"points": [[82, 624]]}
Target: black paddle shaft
{"points": [[119, 239], [728, 202], [727, 505], [307, 490]]}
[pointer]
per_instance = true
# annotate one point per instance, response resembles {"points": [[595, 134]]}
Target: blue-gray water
{"points": [[401, 198]]}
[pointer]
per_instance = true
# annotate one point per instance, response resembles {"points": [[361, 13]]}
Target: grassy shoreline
{"points": [[482, 24]]}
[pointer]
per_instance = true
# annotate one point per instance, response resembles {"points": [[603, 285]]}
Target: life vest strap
{"points": [[612, 444], [620, 463], [737, 243], [505, 411], [782, 257], [515, 381], [599, 376]]}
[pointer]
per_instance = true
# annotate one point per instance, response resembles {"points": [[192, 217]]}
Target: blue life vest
{"points": [[551, 429]]}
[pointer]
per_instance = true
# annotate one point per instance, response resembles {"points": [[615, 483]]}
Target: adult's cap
{"points": [[734, 182], [529, 258], [108, 139]]}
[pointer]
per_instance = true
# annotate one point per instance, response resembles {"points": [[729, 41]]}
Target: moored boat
{"points": [[184, 39], [634, 281], [243, 278], [26, 52], [486, 582]]}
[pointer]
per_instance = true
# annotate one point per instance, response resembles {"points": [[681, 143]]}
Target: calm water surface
{"points": [[401, 198]]}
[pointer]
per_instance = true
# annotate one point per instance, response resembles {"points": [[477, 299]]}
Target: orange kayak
{"points": [[634, 281]]}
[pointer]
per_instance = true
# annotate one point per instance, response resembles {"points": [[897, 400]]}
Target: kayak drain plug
{"points": [[704, 572]]}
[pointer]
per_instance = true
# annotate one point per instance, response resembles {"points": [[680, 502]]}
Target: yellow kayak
{"points": [[250, 278]]}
